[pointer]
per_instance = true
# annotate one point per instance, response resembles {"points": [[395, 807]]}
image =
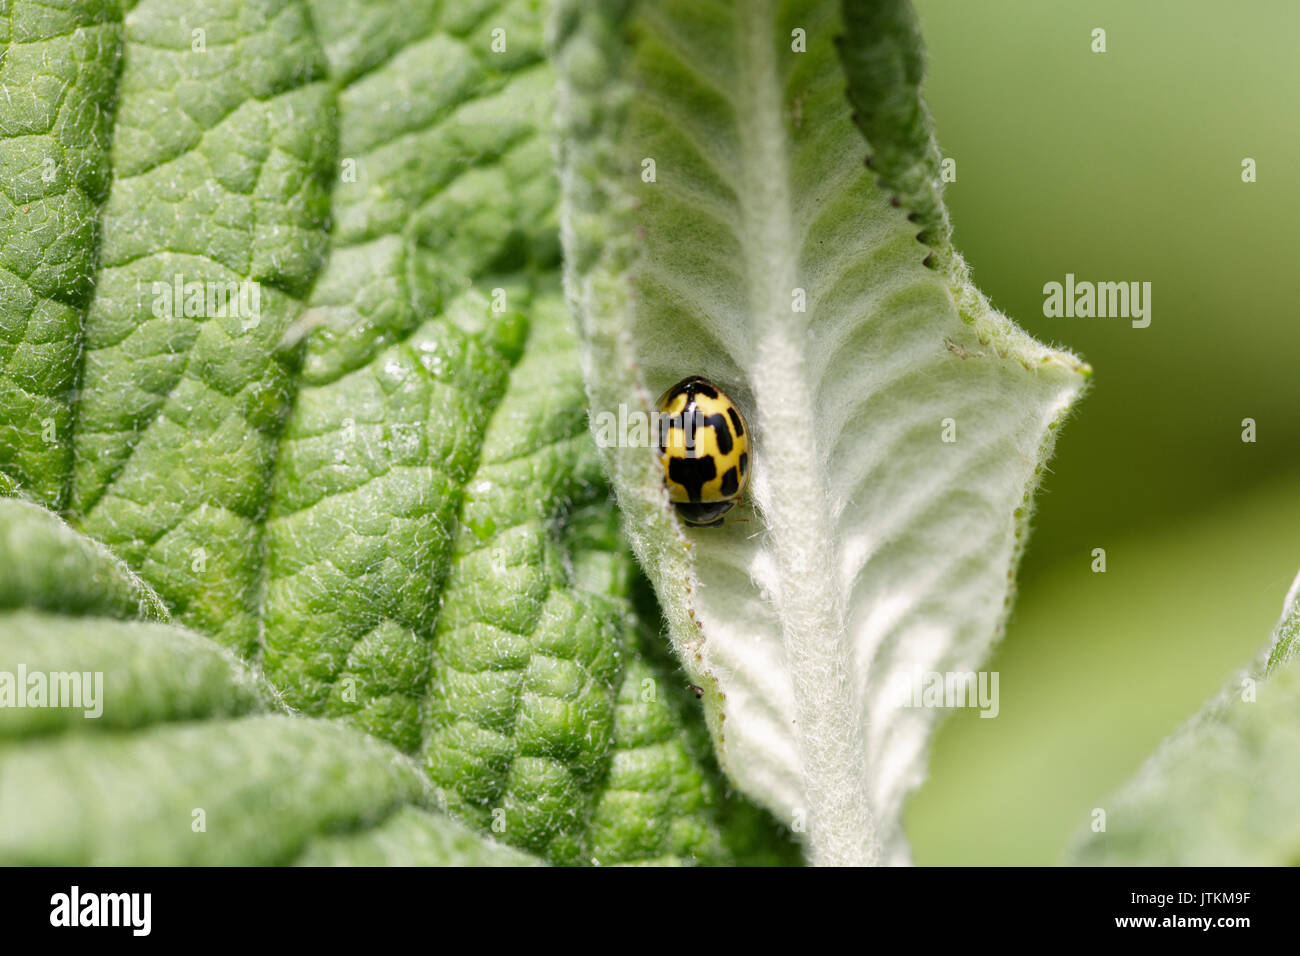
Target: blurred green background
{"points": [[1126, 166]]}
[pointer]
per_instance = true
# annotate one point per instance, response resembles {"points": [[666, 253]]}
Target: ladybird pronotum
{"points": [[705, 448]]}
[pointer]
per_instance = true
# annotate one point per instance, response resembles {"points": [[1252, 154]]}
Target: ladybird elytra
{"points": [[704, 444]]}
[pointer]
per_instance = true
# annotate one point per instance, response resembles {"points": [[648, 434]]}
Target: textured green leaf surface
{"points": [[151, 672], [222, 163], [58, 68], [49, 565], [1223, 789], [378, 495], [884, 64], [412, 837], [186, 761], [760, 252], [1286, 636]]}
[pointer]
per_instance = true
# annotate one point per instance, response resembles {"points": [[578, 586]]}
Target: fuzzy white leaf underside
{"points": [[870, 549]]}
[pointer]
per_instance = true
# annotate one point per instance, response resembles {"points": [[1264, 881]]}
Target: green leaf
{"points": [[222, 162], [49, 565], [151, 673], [1222, 790], [412, 837], [376, 493], [1286, 636], [871, 551], [884, 63], [58, 70], [263, 785], [257, 790], [172, 753]]}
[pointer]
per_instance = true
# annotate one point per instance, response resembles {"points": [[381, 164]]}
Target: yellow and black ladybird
{"points": [[704, 446]]}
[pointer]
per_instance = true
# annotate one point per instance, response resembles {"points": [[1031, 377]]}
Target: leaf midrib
{"points": [[796, 510]]}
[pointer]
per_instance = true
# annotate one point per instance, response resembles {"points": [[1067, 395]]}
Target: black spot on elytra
{"points": [[719, 424], [735, 421], [692, 474], [744, 462], [730, 482]]}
